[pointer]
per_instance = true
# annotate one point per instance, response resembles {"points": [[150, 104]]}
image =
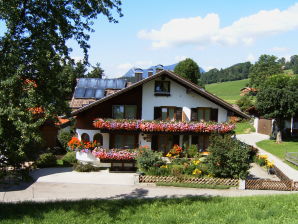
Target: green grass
{"points": [[229, 91], [211, 210], [209, 186], [279, 150], [244, 127]]}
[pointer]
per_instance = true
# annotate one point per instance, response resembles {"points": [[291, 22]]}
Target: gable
{"points": [[189, 87]]}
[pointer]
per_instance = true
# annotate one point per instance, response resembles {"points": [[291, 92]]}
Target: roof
{"points": [[94, 88], [175, 77]]}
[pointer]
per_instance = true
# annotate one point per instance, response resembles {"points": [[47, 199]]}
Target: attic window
{"points": [[162, 88]]}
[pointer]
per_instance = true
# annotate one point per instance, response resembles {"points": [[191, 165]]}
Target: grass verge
{"points": [[189, 185], [245, 210], [280, 150], [244, 127]]}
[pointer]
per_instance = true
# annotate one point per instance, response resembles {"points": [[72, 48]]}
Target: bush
{"points": [[229, 158], [245, 103], [159, 171], [64, 137], [192, 151], [69, 158], [147, 158], [46, 160], [79, 167]]}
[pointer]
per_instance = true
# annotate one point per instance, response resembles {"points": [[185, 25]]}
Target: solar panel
{"points": [[93, 83], [82, 82], [79, 92], [99, 93], [89, 93], [110, 84]]}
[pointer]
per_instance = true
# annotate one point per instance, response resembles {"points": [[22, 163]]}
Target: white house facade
{"points": [[163, 98]]}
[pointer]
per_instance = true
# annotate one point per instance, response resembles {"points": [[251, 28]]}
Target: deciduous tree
{"points": [[278, 99], [33, 53], [188, 69], [266, 66]]}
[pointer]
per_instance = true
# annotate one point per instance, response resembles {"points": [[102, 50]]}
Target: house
{"points": [[248, 91], [151, 106]]}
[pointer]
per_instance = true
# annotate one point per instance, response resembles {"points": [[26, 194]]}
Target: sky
{"points": [[214, 33]]}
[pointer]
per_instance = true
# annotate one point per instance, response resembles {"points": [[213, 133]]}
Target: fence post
{"points": [[241, 184]]}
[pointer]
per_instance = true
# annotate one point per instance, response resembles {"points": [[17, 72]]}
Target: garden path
{"points": [[253, 138], [42, 191]]}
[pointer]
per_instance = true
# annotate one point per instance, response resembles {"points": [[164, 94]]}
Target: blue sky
{"points": [[214, 33]]}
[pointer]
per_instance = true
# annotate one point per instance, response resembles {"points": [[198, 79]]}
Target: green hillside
{"points": [[229, 91]]}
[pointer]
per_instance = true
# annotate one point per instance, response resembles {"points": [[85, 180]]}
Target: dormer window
{"points": [[162, 88]]}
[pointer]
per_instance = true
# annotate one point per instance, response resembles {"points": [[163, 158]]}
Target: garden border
{"points": [[172, 179]]}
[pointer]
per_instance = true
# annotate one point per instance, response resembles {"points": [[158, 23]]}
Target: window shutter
{"points": [[154, 143], [178, 111], [157, 113], [194, 114], [214, 115]]}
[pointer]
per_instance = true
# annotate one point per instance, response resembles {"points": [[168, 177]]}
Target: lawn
{"points": [[244, 210], [229, 91], [244, 127], [279, 150]]}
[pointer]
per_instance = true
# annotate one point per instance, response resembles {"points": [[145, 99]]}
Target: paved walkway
{"points": [[40, 191], [253, 138], [68, 176]]}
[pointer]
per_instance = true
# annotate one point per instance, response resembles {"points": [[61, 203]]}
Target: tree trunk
{"points": [[279, 137], [279, 134]]}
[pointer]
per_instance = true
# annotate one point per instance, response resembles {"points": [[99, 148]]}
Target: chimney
{"points": [[138, 74], [159, 68], [150, 72]]}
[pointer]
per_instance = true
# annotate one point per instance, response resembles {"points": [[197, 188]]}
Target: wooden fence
{"points": [[171, 179], [285, 183]]}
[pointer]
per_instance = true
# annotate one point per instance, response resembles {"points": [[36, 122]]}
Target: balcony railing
{"points": [[162, 126]]}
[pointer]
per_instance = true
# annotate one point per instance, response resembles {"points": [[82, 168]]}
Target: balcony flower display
{"points": [[163, 126], [75, 144], [113, 154]]}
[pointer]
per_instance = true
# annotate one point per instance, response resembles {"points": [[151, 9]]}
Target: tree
{"points": [[188, 69], [33, 50], [266, 66], [278, 99], [97, 72]]}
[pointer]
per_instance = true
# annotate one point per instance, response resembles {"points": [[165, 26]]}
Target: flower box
{"points": [[162, 126]]}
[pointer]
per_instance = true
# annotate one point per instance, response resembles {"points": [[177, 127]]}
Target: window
{"points": [[168, 113], [124, 141], [202, 142], [204, 114], [124, 111], [98, 138], [162, 88], [85, 137]]}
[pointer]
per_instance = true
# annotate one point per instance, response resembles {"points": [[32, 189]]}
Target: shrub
{"points": [[79, 167], [147, 158], [64, 137], [192, 151], [46, 160], [229, 158], [245, 103], [69, 158], [177, 170], [159, 171]]}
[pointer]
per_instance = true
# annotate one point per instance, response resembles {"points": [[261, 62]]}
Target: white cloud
{"points": [[179, 58], [279, 49], [201, 31], [251, 58]]}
